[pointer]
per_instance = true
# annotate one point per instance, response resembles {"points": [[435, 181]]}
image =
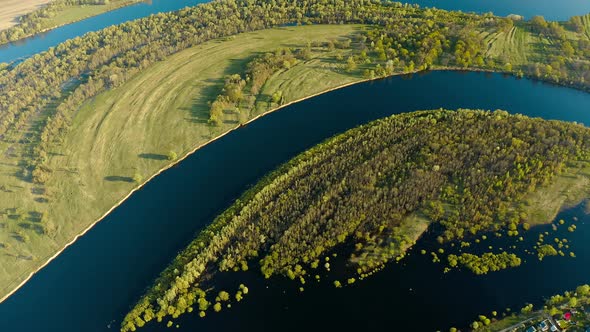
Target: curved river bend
{"points": [[92, 284], [551, 9]]}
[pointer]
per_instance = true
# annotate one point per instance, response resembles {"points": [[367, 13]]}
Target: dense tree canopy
{"points": [[459, 168]]}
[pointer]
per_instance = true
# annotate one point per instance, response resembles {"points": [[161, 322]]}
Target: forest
{"points": [[42, 96], [459, 168]]}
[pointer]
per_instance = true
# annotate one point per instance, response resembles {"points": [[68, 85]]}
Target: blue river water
{"points": [[551, 9], [94, 282], [42, 42]]}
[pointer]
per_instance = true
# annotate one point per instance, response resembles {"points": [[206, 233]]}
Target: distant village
{"points": [[571, 319]]}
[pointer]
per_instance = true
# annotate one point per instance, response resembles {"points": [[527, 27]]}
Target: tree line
{"points": [[358, 187], [406, 39], [87, 65], [437, 39]]}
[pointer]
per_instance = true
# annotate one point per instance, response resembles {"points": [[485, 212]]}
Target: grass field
{"points": [[512, 45], [567, 190], [130, 130], [77, 13]]}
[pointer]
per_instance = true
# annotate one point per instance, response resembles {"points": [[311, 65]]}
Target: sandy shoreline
{"points": [[11, 10]]}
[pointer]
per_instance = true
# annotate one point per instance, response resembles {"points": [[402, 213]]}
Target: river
{"points": [[551, 9], [94, 282]]}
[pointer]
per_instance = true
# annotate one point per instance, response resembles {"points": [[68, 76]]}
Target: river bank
{"points": [[60, 17], [13, 9], [206, 187], [200, 146]]}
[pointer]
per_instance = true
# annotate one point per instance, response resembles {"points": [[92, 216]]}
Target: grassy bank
{"points": [[127, 133]]}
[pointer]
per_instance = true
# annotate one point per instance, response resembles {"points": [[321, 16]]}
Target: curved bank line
{"points": [[191, 152]]}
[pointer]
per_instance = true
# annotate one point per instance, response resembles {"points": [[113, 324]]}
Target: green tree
{"points": [[538, 23], [277, 97], [573, 302], [137, 177], [171, 155], [350, 64], [583, 290], [223, 296]]}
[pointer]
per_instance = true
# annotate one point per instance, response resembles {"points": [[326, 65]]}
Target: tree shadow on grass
{"points": [[35, 228], [18, 237], [35, 216], [20, 257], [116, 178], [211, 88], [199, 110], [152, 156], [38, 191]]}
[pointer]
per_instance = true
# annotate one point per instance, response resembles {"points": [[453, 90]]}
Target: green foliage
{"points": [[350, 64], [239, 93], [137, 177], [583, 290], [172, 155], [556, 305], [546, 250], [527, 309], [50, 87], [79, 69], [223, 296], [341, 190], [486, 262], [262, 67]]}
